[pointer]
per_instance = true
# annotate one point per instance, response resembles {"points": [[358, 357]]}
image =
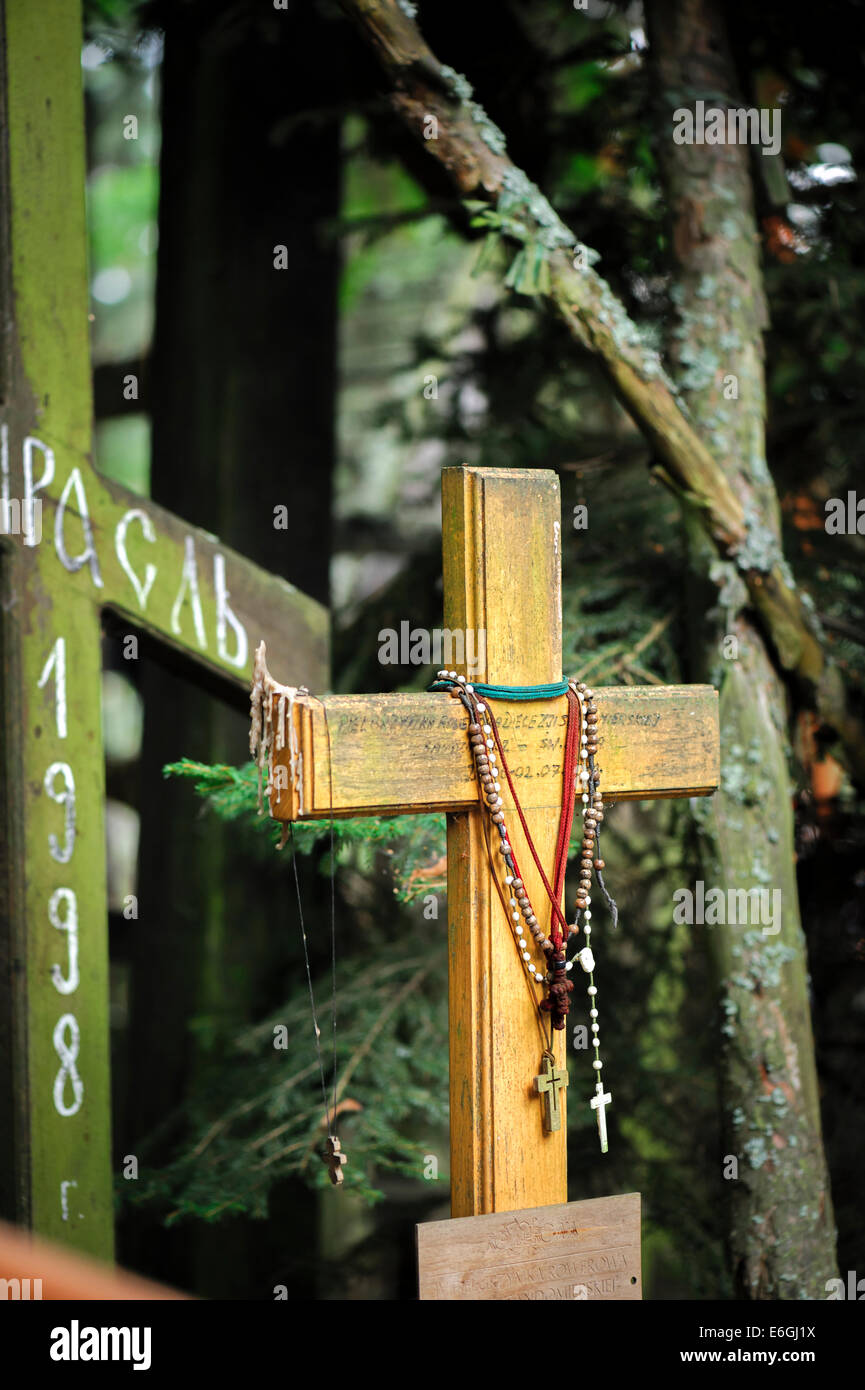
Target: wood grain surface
{"points": [[578, 1251]]}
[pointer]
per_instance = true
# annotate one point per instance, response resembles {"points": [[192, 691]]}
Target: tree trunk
{"points": [[781, 1228]]}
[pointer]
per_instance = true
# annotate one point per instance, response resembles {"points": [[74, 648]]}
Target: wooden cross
{"points": [[551, 1081], [335, 1159], [82, 544], [400, 753]]}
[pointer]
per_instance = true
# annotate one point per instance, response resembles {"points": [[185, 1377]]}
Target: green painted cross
{"points": [[76, 544]]}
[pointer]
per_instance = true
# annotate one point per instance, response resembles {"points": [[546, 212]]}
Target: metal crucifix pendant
{"points": [[548, 1085]]}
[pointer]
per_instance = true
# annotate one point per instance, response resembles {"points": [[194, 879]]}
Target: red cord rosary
{"points": [[579, 778]]}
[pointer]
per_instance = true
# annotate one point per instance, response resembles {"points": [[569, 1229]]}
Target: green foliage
{"points": [[113, 13], [416, 842], [123, 448], [391, 1094], [122, 203], [389, 1048], [578, 123]]}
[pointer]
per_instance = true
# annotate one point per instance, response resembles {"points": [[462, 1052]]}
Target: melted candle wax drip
{"points": [[261, 740]]}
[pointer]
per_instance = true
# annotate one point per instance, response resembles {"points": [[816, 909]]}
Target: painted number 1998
{"points": [[59, 785]]}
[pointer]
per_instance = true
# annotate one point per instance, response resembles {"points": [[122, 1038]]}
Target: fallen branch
{"points": [[428, 95]]}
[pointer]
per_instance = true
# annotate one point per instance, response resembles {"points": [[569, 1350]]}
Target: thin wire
{"points": [[306, 961], [329, 1111], [332, 904]]}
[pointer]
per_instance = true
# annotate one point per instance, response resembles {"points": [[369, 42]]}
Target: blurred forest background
{"points": [[339, 386]]}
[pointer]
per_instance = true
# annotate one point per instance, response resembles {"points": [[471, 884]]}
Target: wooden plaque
{"points": [[579, 1251]]}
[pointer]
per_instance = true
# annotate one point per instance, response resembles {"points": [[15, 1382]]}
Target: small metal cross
{"points": [[551, 1081], [598, 1102]]}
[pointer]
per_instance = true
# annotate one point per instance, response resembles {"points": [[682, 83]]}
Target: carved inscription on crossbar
{"points": [[653, 743]]}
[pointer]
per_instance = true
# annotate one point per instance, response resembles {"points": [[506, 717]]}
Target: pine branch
{"points": [[391, 1046], [415, 842]]}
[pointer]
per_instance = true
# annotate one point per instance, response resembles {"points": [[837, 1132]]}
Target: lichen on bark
{"points": [[781, 1233]]}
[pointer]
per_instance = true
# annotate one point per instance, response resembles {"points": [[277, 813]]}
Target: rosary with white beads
{"points": [[488, 752], [592, 808]]}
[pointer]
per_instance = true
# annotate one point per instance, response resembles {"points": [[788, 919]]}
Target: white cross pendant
{"points": [[598, 1102]]}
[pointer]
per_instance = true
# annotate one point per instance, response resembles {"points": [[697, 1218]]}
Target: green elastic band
{"points": [[511, 692]]}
